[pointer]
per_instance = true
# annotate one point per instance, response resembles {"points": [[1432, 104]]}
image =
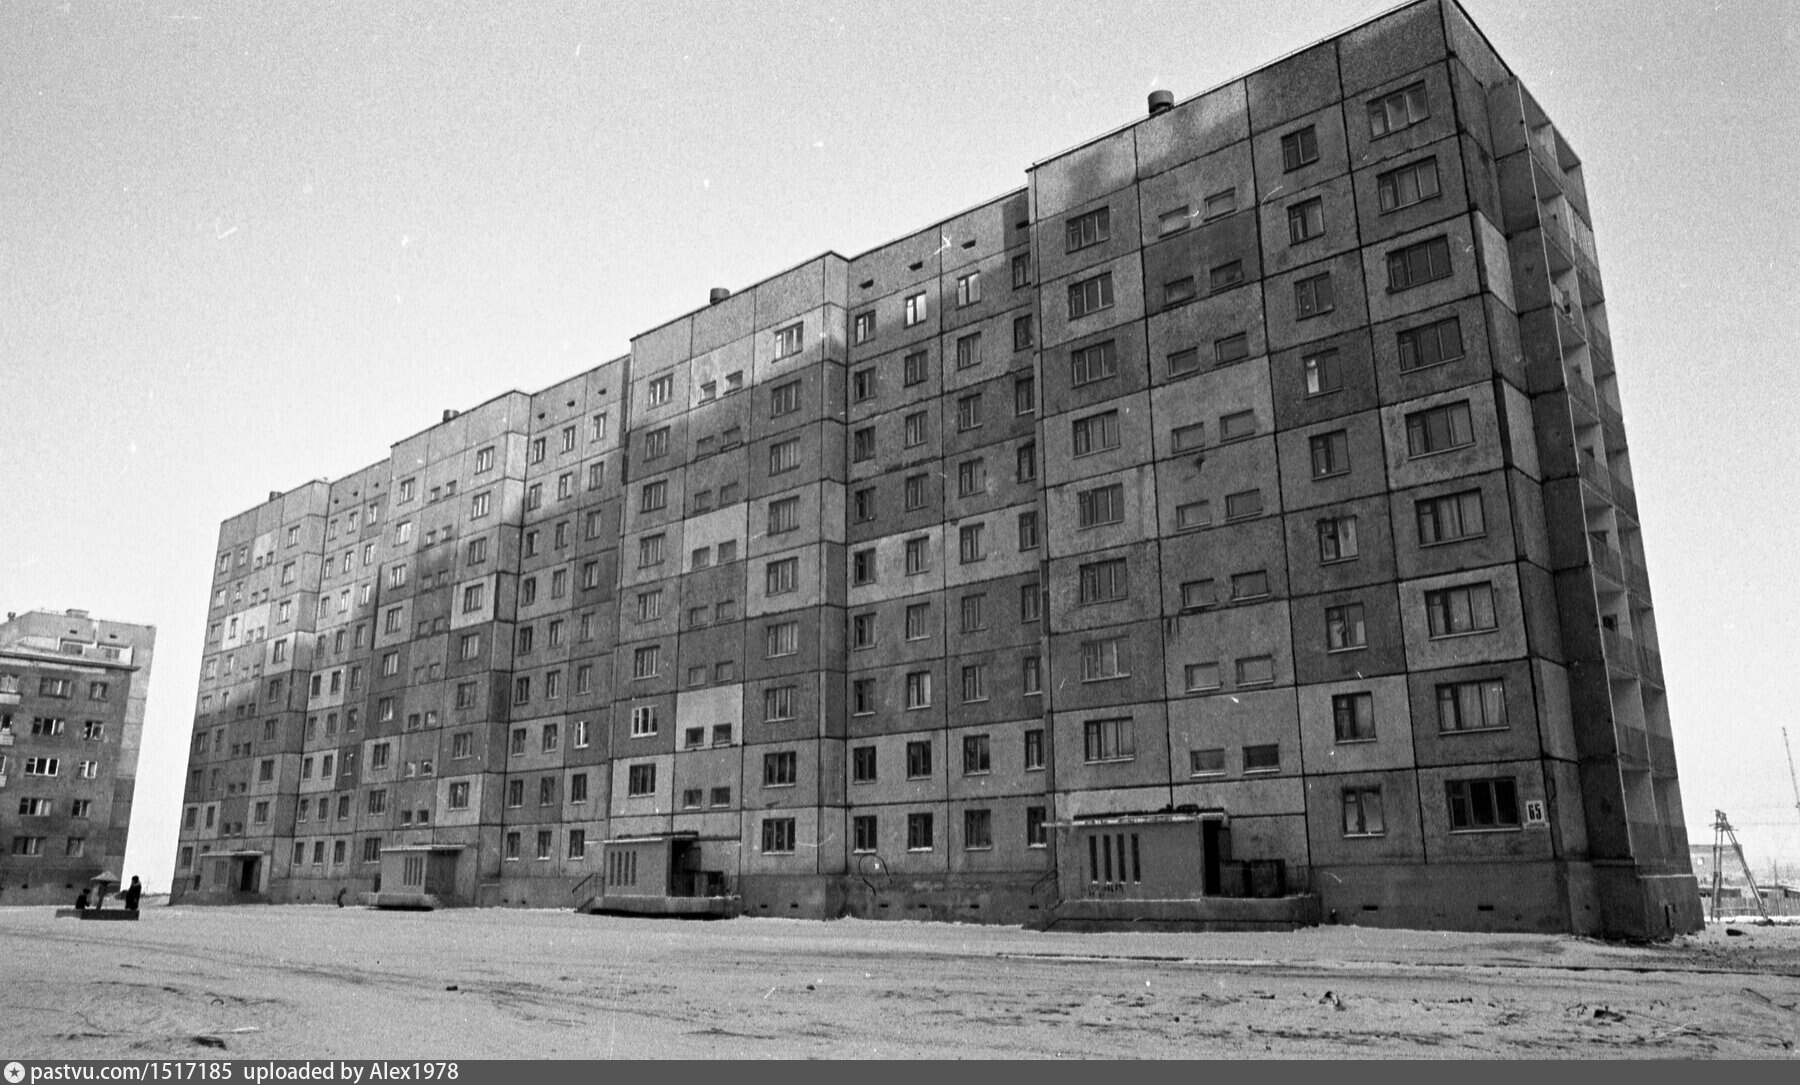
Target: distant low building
{"points": [[72, 692]]}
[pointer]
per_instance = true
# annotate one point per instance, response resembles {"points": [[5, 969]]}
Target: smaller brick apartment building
{"points": [[72, 691]]}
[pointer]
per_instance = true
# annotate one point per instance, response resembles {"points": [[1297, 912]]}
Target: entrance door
{"points": [[247, 880], [1209, 857]]}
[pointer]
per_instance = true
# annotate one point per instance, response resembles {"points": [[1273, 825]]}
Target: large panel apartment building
{"points": [[1242, 506], [72, 692]]}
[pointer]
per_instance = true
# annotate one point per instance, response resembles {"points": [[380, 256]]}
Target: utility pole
{"points": [[1793, 779]]}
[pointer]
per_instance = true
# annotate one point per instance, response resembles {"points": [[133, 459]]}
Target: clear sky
{"points": [[245, 245]]}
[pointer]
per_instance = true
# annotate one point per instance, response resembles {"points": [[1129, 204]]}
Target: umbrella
{"points": [[105, 877]]}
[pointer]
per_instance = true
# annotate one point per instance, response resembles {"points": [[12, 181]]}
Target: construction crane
{"points": [[1722, 832], [1793, 779]]}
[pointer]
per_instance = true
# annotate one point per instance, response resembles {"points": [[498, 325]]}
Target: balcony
{"points": [[1581, 391], [1614, 424], [6, 738], [1600, 347], [1624, 496], [1654, 843], [1595, 474], [1621, 653], [1570, 323], [1634, 747], [1637, 577], [1650, 665], [1662, 754], [1607, 561]]}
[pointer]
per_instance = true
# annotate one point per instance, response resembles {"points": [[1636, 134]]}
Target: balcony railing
{"points": [[1600, 348], [1662, 753], [1621, 653], [1607, 561], [1637, 577], [1614, 422], [1595, 474], [1650, 664], [1652, 842], [1581, 390], [1624, 496], [1634, 747]]}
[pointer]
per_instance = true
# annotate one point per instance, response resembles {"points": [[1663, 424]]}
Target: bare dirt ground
{"points": [[316, 982]]}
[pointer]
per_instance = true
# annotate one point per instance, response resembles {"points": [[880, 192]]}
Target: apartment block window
{"points": [[1467, 609], [969, 412], [534, 496], [916, 428], [778, 704], [915, 491], [862, 566], [656, 444], [862, 697], [1362, 812], [597, 427], [1434, 343], [1184, 361], [1262, 758], [918, 556], [784, 515], [1237, 426], [1200, 677], [862, 764], [862, 327], [1178, 290], [1353, 717], [1101, 505], [915, 309], [864, 833], [1223, 202], [1439, 429], [1472, 706], [644, 721], [1025, 395], [1322, 372], [1344, 629], [1225, 276], [650, 551], [1189, 437], [1243, 504], [537, 443], [1209, 762], [918, 689], [968, 289], [974, 683], [1482, 804], [1030, 603], [1337, 539], [1089, 229], [1192, 515], [646, 662], [1197, 593], [640, 780], [1450, 518], [918, 832], [862, 444], [914, 368], [918, 760], [971, 477], [1306, 220], [784, 456], [862, 386], [1299, 148], [1412, 183], [1021, 270], [1094, 363], [862, 630], [974, 612], [1313, 296], [790, 340], [1104, 581], [1109, 740], [1023, 337], [649, 608], [1250, 585], [781, 639], [654, 496], [1330, 454], [1105, 659], [918, 616], [1028, 530], [780, 769], [977, 756], [784, 399], [1402, 109], [1034, 749], [1414, 265], [1174, 220], [1256, 670], [1096, 433], [1090, 295], [978, 830]]}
